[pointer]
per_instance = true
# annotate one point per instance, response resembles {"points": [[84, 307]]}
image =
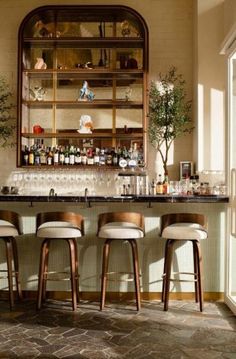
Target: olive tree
{"points": [[169, 112], [7, 116]]}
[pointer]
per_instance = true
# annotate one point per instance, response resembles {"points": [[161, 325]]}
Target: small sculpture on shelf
{"points": [[128, 93], [85, 124], [44, 30], [40, 64], [37, 93], [85, 93], [128, 29]]}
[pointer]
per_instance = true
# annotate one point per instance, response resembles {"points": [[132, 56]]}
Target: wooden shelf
{"points": [[85, 42], [85, 104], [132, 135]]}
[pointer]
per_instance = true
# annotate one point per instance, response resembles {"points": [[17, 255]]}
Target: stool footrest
{"points": [[122, 280]]}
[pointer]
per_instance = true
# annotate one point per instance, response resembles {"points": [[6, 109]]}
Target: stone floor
{"points": [[117, 332]]}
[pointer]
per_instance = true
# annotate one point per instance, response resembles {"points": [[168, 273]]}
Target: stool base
{"points": [[43, 271], [105, 262], [12, 268], [197, 260]]}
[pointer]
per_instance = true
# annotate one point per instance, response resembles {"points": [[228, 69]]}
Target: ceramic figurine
{"points": [[85, 124], [85, 93], [37, 93], [44, 30], [40, 64]]}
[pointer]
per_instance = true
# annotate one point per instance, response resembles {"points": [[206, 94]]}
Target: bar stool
{"points": [[125, 226], [10, 227], [65, 226], [178, 227]]}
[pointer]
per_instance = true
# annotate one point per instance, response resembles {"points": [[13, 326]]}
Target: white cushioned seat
{"points": [[120, 230], [8, 230], [58, 229], [184, 231]]}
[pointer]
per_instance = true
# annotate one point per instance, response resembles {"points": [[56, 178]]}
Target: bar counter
{"points": [[70, 197], [151, 247]]}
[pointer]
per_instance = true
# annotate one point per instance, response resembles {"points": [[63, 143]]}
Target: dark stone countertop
{"points": [[128, 198]]}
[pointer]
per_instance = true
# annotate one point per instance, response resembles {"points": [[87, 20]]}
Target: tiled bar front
{"points": [[151, 247]]}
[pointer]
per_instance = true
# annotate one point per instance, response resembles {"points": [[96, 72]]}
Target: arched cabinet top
{"points": [[77, 62]]}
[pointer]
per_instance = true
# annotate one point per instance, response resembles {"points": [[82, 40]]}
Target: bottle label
{"points": [[37, 160], [56, 158], [90, 161], [26, 159], [62, 158], [67, 160], [31, 158], [72, 159], [78, 160]]}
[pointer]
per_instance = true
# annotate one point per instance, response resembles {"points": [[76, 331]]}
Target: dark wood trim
{"points": [[71, 217]]}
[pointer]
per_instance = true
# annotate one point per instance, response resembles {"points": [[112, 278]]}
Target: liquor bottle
{"points": [[84, 157], [72, 155], [61, 156], [166, 187], [102, 157], [115, 159], [67, 157], [152, 188], [159, 186], [109, 158], [96, 157], [90, 158], [36, 156], [31, 156], [78, 157], [49, 157], [56, 156], [43, 157], [26, 156]]}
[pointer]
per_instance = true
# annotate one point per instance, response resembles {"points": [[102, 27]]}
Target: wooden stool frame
{"points": [[12, 255], [78, 221], [167, 220], [129, 217]]}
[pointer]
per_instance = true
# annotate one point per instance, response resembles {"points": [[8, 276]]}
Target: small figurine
{"points": [[44, 30], [128, 29], [128, 93], [85, 93], [85, 124], [37, 93], [40, 64]]}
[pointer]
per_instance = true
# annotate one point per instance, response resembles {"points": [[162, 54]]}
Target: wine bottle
{"points": [[56, 156], [67, 157], [61, 156], [72, 155], [159, 186], [78, 157], [31, 156], [26, 156], [166, 186]]}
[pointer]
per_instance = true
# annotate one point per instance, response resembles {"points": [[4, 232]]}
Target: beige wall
{"points": [[170, 24], [211, 77]]}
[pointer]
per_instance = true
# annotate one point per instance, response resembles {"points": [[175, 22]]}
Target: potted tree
{"points": [[7, 118], [169, 112]]}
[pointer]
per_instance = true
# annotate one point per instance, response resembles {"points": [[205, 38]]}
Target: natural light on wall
{"points": [[200, 127], [217, 130]]}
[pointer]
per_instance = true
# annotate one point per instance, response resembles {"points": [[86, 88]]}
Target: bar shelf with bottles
{"points": [[62, 48], [40, 155]]}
